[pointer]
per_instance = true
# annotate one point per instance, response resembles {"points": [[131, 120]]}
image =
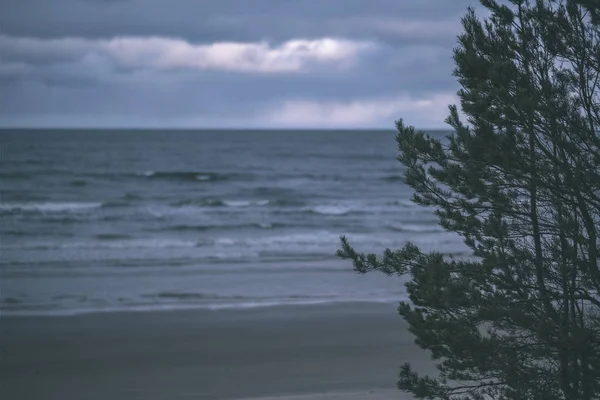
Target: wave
{"points": [[112, 236], [58, 208], [267, 244], [356, 207], [35, 233], [285, 206], [219, 247], [329, 156], [199, 296], [283, 298], [193, 296], [216, 202], [48, 207], [417, 228], [81, 178], [275, 191], [332, 210], [218, 306], [107, 243], [320, 242], [183, 208], [196, 176], [29, 174], [203, 228], [245, 203], [339, 209], [124, 201], [212, 202]]}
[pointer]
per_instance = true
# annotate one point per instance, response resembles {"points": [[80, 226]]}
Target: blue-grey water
{"points": [[133, 220]]}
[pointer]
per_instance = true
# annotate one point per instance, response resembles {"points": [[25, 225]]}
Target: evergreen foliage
{"points": [[519, 180]]}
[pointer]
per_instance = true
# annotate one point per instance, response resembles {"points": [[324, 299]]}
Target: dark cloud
{"points": [[58, 66], [239, 20]]}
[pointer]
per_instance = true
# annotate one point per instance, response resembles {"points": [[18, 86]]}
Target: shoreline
{"points": [[310, 351], [241, 307]]}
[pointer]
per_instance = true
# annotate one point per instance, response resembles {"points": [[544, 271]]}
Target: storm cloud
{"points": [[227, 63]]}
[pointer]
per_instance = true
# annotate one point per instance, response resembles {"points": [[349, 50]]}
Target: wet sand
{"points": [[330, 352]]}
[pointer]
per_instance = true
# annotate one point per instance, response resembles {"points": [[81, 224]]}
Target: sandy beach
{"points": [[295, 352]]}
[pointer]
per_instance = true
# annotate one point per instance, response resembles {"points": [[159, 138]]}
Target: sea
{"points": [[133, 220]]}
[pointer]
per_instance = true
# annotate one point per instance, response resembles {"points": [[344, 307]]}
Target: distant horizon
{"points": [[4, 129]]}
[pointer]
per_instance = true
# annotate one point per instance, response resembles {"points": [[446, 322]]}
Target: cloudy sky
{"points": [[227, 63]]}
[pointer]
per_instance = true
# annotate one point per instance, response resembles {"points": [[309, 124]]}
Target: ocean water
{"points": [[95, 221]]}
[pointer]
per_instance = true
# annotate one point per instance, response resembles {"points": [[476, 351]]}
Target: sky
{"points": [[228, 63]]}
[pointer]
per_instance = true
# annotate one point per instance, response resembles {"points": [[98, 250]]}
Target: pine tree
{"points": [[520, 182]]}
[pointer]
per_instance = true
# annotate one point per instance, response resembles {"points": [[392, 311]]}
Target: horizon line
{"points": [[21, 128]]}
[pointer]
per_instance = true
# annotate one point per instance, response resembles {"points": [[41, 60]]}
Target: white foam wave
{"points": [[246, 305], [245, 203], [48, 207], [121, 244], [338, 207], [299, 239], [346, 207], [416, 228], [194, 209], [168, 211], [144, 243], [331, 209]]}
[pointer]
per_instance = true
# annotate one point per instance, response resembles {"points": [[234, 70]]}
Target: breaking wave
{"points": [[48, 207], [188, 176]]}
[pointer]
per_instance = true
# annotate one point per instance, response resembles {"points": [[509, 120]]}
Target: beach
{"points": [[333, 351]]}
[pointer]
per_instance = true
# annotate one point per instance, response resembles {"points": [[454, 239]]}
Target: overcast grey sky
{"points": [[227, 63]]}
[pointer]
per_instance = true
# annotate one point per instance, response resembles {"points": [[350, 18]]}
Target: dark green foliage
{"points": [[520, 319]]}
